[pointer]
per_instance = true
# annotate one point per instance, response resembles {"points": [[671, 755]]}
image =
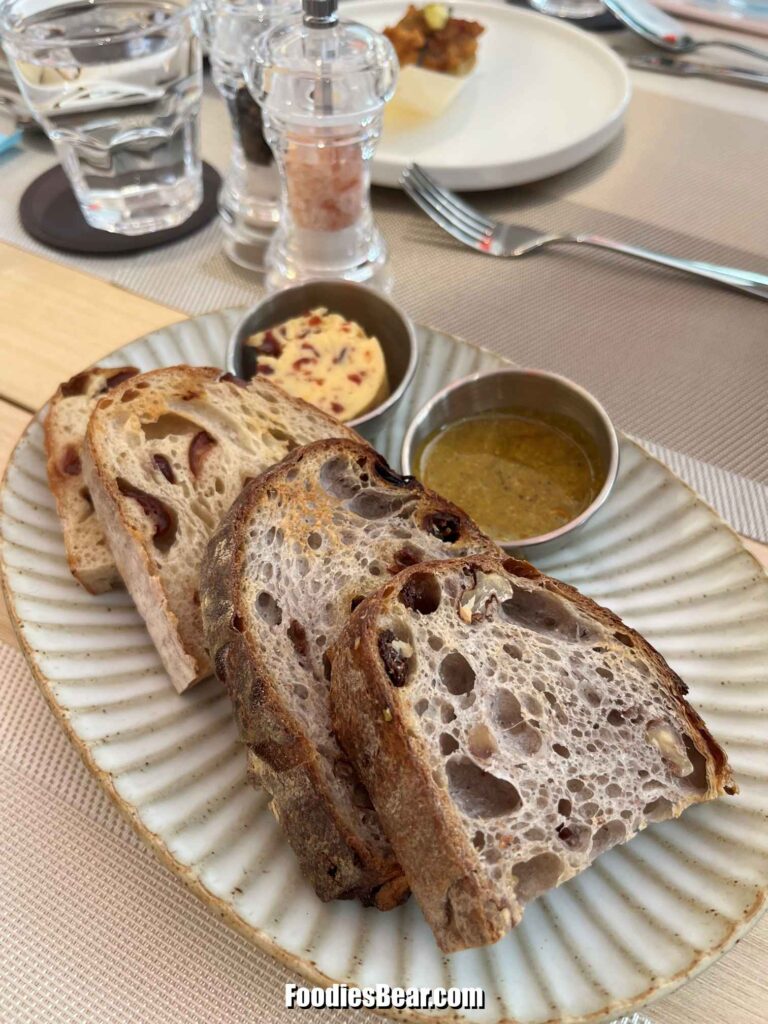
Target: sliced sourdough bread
{"points": [[166, 454], [88, 555], [509, 730], [302, 546]]}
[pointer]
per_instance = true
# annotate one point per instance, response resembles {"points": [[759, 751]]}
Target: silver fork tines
{"points": [[494, 238], [446, 209], [450, 201]]}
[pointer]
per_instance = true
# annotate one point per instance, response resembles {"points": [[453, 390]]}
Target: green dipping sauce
{"points": [[518, 473]]}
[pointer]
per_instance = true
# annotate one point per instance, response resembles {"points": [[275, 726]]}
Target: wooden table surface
{"points": [[55, 322]]}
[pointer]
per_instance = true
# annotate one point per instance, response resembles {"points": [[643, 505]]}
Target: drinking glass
{"points": [[116, 84]]}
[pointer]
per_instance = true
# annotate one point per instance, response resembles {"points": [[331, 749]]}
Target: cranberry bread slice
{"points": [[503, 719], [302, 546], [165, 455], [88, 555]]}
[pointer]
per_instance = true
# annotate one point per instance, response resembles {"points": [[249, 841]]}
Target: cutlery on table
{"points": [[696, 69], [494, 238], [665, 31]]}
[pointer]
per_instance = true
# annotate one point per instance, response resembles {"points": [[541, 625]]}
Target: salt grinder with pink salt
{"points": [[322, 84]]}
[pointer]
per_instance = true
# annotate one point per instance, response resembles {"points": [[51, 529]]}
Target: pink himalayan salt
{"points": [[325, 185]]}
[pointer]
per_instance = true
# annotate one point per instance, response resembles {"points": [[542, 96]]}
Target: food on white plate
{"points": [[436, 53], [325, 359], [300, 548], [88, 555], [430, 37], [508, 731], [166, 453], [421, 93]]}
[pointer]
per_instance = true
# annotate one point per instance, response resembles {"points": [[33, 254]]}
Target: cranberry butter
{"points": [[326, 360]]}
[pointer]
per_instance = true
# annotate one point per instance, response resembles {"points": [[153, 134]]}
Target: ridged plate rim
{"points": [[224, 908]]}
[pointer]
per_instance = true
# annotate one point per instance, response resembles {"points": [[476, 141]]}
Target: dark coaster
{"points": [[604, 22], [49, 213]]}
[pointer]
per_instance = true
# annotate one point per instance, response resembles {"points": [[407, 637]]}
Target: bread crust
{"points": [[282, 757], [88, 555], [377, 728], [186, 662]]}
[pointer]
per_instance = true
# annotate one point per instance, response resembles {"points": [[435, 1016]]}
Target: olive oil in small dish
{"points": [[519, 473]]}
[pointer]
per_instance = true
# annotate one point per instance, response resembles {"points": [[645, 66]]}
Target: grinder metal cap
{"points": [[320, 10]]}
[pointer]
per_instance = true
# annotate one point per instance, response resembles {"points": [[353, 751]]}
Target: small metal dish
{"points": [[376, 314], [536, 390]]}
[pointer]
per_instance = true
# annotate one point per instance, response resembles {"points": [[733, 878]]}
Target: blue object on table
{"points": [[9, 141]]}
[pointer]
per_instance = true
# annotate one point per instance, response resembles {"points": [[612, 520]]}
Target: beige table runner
{"points": [[94, 930], [680, 362], [92, 927], [675, 360]]}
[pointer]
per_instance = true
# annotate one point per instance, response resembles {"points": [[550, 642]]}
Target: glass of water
{"points": [[116, 84]]}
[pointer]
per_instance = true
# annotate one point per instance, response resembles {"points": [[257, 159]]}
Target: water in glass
{"points": [[116, 84]]}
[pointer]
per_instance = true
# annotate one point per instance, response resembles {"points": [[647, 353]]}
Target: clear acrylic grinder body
{"points": [[322, 84], [249, 196]]}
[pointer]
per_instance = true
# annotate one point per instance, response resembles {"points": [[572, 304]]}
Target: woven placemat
{"points": [[677, 361], [92, 926]]}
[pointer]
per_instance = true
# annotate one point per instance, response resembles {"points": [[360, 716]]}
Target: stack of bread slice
{"points": [[400, 686], [302, 546]]}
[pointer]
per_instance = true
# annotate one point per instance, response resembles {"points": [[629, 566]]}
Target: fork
{"points": [[493, 238]]}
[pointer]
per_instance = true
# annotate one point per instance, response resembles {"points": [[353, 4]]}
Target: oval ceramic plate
{"points": [[641, 920], [542, 97]]}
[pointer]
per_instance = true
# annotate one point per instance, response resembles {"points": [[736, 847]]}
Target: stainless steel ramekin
{"points": [[534, 390]]}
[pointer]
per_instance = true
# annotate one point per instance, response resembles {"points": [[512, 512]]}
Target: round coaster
{"points": [[49, 213]]}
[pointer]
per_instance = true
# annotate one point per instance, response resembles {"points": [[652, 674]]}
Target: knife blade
{"points": [[698, 69]]}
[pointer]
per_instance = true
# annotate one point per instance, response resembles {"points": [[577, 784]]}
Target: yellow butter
{"points": [[437, 16], [424, 92], [326, 360]]}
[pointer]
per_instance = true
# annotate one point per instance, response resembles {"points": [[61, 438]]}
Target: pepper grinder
{"points": [[322, 84], [250, 192]]}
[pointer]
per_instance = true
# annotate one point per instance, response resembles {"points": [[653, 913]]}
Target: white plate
{"points": [[641, 920], [542, 97]]}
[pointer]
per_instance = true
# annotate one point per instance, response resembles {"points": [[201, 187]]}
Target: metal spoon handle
{"points": [[648, 21], [743, 280], [751, 51]]}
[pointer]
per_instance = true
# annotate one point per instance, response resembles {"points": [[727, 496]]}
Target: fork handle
{"points": [[743, 280], [728, 44]]}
